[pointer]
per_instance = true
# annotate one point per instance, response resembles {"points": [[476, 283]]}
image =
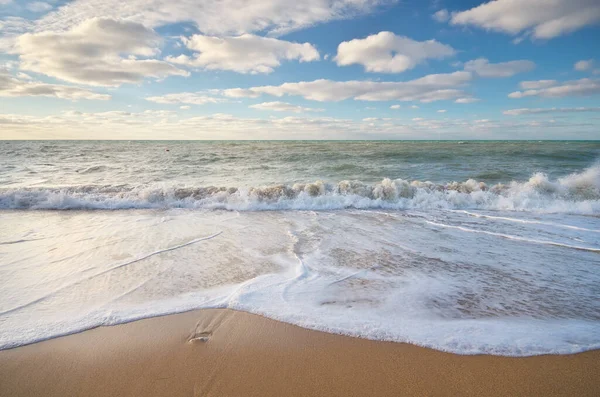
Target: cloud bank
{"points": [[434, 87]]}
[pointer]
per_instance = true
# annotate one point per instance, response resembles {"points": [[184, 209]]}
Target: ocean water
{"points": [[466, 247]]}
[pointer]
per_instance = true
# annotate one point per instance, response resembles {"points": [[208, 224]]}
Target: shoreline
{"points": [[221, 352]]}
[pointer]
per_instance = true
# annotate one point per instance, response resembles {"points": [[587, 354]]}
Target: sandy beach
{"points": [[229, 353]]}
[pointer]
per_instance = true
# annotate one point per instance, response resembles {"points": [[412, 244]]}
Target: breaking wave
{"points": [[576, 193]]}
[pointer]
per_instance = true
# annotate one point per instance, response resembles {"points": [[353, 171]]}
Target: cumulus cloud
{"points": [[584, 65], [441, 16], [434, 87], [395, 107], [39, 6], [543, 19], [186, 107], [283, 107], [193, 98], [554, 89], [214, 17], [93, 53], [442, 111], [484, 68], [526, 111], [243, 54], [23, 86], [386, 52]]}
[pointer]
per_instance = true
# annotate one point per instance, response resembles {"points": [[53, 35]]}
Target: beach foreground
{"points": [[231, 353]]}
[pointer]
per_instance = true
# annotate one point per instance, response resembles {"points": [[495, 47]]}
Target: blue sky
{"points": [[319, 69]]}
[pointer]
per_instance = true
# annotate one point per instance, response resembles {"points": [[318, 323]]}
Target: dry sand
{"points": [[248, 355]]}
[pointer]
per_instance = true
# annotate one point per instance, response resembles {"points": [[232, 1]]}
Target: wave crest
{"points": [[576, 193]]}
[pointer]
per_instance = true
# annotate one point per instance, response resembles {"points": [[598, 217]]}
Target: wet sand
{"points": [[228, 353]]}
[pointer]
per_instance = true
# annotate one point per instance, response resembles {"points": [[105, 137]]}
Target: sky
{"points": [[289, 69]]}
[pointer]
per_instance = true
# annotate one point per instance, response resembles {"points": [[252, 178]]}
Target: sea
{"points": [[469, 247]]}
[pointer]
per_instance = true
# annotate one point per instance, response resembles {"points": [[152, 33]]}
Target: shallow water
{"points": [[390, 250]]}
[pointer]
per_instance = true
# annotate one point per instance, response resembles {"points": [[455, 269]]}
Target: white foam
{"points": [[536, 222], [578, 193], [511, 237], [450, 281]]}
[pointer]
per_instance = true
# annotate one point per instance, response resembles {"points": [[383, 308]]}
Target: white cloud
{"points": [[434, 87], [442, 111], [193, 98], [395, 107], [414, 107], [584, 65], [484, 68], [545, 19], [5, 2], [215, 17], [39, 6], [387, 53], [23, 86], [243, 54], [441, 16], [24, 76], [241, 92], [15, 25], [526, 111], [283, 107], [10, 29], [467, 100], [186, 107], [554, 89], [92, 53], [8, 66], [537, 84], [168, 125]]}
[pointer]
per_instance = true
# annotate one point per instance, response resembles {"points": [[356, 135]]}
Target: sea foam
{"points": [[576, 193], [467, 282]]}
